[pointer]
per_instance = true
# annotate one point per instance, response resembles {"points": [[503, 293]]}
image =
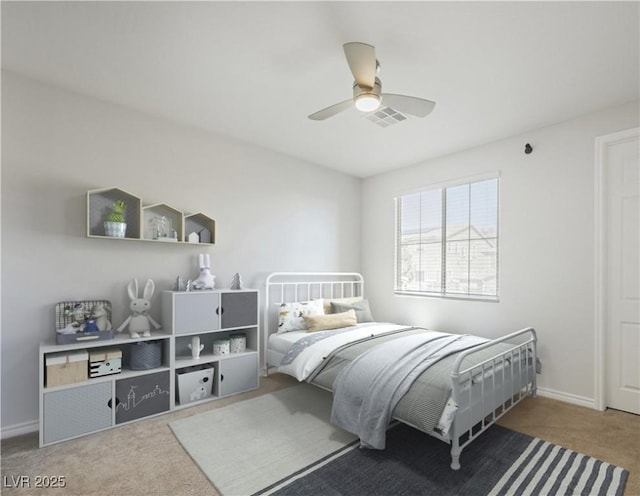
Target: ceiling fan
{"points": [[367, 88]]}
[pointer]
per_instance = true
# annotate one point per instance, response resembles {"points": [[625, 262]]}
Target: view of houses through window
{"points": [[447, 241]]}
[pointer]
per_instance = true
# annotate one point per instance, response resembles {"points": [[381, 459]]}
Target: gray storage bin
{"points": [[146, 355]]}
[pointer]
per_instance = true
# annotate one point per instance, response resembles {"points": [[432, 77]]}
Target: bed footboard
{"points": [[484, 392]]}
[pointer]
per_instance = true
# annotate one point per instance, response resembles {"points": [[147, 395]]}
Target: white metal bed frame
{"points": [[483, 392], [300, 286]]}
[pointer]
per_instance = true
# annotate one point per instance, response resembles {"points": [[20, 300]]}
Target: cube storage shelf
{"points": [[206, 317], [97, 403], [159, 222]]}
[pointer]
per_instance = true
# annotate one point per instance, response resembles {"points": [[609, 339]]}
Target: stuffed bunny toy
{"points": [[206, 280], [140, 321]]}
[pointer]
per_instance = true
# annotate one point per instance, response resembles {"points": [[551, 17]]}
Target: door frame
{"points": [[600, 359]]}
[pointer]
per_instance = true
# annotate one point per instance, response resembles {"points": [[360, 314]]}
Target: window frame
{"points": [[443, 186]]}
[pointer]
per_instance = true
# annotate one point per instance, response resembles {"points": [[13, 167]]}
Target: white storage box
{"points": [[221, 347], [237, 343], [105, 361], [67, 367], [194, 383]]}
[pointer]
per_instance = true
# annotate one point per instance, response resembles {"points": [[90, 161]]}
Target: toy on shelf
{"points": [[101, 316], [84, 320], [206, 280], [140, 321]]}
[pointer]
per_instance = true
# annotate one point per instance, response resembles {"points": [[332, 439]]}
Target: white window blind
{"points": [[447, 241]]}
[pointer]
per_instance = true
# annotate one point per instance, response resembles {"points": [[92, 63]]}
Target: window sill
{"points": [[488, 299]]}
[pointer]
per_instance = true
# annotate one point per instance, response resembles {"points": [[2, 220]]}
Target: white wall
{"points": [[272, 213], [277, 213], [546, 245]]}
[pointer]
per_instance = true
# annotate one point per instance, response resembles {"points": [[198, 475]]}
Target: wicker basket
{"points": [[146, 355]]}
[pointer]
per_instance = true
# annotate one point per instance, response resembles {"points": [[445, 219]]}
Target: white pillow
{"points": [[290, 315]]}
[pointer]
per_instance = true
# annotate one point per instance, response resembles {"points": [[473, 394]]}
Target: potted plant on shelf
{"points": [[115, 225]]}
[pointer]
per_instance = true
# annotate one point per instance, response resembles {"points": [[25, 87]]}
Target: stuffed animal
{"points": [[101, 316], [206, 280], [140, 321], [77, 313]]}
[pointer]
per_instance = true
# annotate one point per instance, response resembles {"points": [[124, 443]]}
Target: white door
{"points": [[622, 269]]}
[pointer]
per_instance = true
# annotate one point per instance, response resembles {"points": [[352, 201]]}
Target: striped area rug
{"points": [[500, 462], [545, 468]]}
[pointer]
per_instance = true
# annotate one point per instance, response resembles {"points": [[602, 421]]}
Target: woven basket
{"points": [[146, 355]]}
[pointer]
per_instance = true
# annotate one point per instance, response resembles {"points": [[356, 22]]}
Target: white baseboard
{"points": [[568, 398], [19, 429]]}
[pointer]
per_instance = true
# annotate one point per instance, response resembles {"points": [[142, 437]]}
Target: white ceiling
{"points": [[253, 71]]}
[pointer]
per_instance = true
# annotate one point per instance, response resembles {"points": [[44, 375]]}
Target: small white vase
{"points": [[115, 229]]}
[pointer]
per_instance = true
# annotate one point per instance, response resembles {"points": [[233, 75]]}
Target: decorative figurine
{"points": [[195, 347], [206, 280], [236, 283], [140, 321]]}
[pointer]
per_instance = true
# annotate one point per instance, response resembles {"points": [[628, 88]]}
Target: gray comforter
{"points": [[425, 399], [367, 390]]}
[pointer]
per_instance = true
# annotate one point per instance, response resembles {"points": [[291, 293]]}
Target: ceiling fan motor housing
{"points": [[372, 95]]}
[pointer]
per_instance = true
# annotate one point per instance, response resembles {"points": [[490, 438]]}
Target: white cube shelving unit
{"points": [[77, 409]]}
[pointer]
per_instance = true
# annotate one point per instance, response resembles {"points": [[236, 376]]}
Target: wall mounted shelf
{"points": [[159, 222], [203, 226]]}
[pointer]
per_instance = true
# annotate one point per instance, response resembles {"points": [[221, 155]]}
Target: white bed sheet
{"points": [[282, 342], [307, 360]]}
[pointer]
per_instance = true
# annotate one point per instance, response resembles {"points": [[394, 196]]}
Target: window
{"points": [[447, 241]]}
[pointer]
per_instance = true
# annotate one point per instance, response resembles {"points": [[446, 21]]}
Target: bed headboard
{"points": [[289, 287]]}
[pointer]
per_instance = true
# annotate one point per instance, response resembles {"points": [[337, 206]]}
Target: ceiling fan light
{"points": [[367, 102]]}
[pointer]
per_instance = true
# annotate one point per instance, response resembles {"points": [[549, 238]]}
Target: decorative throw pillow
{"points": [[330, 321], [327, 302], [363, 312], [290, 314]]}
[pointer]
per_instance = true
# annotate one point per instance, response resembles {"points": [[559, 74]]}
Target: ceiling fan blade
{"points": [[361, 58], [325, 113], [408, 104]]}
